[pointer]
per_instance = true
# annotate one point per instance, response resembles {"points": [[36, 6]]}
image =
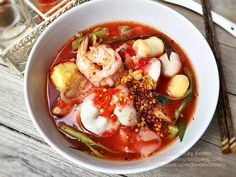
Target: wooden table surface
{"points": [[23, 153]]}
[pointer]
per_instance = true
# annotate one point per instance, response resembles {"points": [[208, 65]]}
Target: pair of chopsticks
{"points": [[228, 140]]}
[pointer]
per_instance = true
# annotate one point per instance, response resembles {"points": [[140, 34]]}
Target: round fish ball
{"points": [[150, 47], [156, 46], [172, 65], [178, 86], [141, 48]]}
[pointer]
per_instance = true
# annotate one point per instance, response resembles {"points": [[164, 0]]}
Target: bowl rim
{"points": [[105, 169]]}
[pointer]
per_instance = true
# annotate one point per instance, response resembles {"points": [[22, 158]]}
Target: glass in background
{"points": [[45, 5], [15, 20]]}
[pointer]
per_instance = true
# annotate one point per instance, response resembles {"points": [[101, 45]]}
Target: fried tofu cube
{"points": [[61, 75]]}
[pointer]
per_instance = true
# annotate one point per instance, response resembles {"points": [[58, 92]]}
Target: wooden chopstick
{"points": [[228, 140]]}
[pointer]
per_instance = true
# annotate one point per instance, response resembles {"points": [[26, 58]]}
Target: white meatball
{"points": [[150, 47], [141, 48], [178, 86], [89, 115], [156, 46], [171, 66], [126, 114]]}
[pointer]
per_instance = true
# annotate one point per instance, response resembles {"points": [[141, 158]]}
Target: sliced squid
{"points": [[172, 65], [147, 150], [92, 121], [150, 47], [126, 114], [147, 135], [147, 143]]}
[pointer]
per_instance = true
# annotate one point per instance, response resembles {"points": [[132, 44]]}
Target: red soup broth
{"points": [[67, 54]]}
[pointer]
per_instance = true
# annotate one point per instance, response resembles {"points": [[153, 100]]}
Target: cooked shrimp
{"points": [[98, 64]]}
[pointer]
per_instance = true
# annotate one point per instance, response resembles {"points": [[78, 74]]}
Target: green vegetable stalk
{"points": [[124, 30], [172, 131], [71, 131], [96, 34], [188, 95], [181, 125], [98, 154], [99, 32], [126, 38], [76, 43], [181, 128]]}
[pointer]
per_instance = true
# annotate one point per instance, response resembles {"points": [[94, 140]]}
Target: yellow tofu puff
{"points": [[72, 85], [62, 74], [150, 47]]}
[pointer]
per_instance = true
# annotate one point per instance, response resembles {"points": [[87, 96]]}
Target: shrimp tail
{"points": [[83, 46]]}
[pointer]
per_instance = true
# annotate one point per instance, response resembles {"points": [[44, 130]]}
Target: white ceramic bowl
{"points": [[148, 12]]}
